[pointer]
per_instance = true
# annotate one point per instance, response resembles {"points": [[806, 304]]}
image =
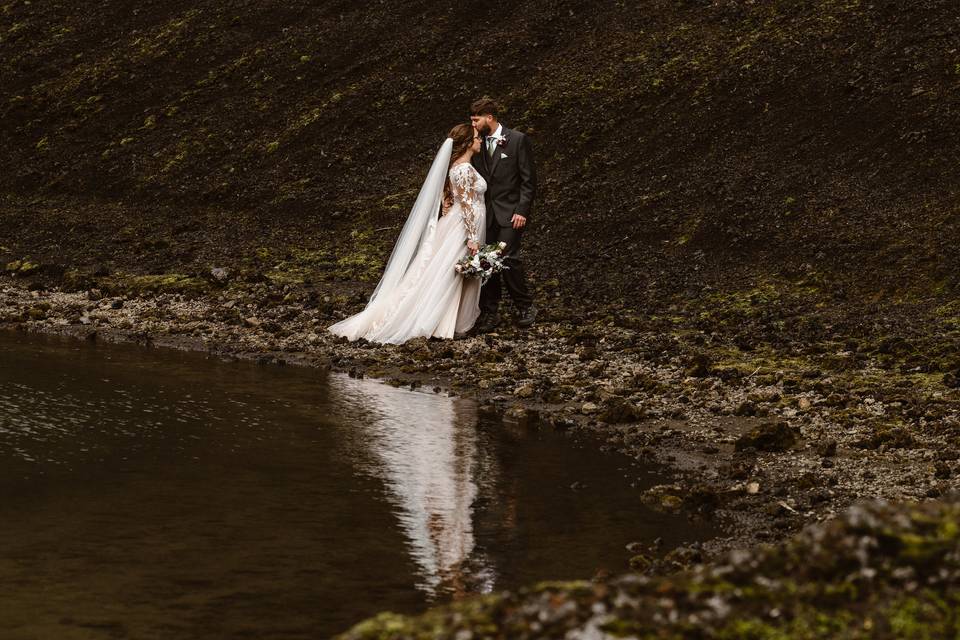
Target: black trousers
{"points": [[515, 277]]}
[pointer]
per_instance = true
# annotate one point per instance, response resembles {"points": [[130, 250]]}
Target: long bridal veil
{"points": [[417, 230]]}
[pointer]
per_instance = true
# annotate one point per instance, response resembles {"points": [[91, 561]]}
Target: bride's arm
{"points": [[465, 183]]}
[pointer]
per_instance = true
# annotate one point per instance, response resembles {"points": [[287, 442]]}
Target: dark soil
{"points": [[682, 146]]}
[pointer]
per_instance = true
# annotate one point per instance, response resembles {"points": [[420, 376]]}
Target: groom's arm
{"points": [[528, 178]]}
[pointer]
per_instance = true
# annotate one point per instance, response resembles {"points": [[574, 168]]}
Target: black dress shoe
{"points": [[488, 322], [527, 317]]}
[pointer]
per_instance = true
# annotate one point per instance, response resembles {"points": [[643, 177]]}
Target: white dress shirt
{"points": [[493, 138]]}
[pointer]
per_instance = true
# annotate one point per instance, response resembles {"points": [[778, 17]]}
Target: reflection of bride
{"points": [[426, 452]]}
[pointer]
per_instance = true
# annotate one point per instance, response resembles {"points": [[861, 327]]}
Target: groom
{"points": [[506, 162]]}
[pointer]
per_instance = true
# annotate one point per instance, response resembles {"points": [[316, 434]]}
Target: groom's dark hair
{"points": [[484, 106]]}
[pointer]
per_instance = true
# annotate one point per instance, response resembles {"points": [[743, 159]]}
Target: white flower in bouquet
{"points": [[486, 262]]}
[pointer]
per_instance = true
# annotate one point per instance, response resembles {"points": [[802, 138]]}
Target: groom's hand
{"points": [[447, 203], [518, 221]]}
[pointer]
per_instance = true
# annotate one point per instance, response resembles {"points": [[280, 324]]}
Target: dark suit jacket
{"points": [[511, 178]]}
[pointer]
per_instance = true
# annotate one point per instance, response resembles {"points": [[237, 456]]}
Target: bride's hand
{"points": [[473, 248]]}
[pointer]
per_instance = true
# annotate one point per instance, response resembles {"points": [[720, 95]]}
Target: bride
{"points": [[420, 294]]}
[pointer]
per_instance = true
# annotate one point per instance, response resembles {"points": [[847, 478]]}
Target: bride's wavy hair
{"points": [[462, 136]]}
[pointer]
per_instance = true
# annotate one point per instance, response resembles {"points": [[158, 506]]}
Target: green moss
{"points": [[927, 617], [365, 258], [751, 629], [22, 267], [155, 283]]}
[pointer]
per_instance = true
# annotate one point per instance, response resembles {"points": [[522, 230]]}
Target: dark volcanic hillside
{"points": [[680, 143]]}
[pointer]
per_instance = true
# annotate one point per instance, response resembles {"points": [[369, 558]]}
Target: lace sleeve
{"points": [[465, 191]]}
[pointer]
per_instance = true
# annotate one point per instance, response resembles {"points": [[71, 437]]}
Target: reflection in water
{"points": [[425, 449], [157, 494]]}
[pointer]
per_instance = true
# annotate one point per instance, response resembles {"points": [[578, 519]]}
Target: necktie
{"points": [[491, 144]]}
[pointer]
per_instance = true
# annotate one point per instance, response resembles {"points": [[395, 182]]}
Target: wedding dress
{"points": [[420, 293]]}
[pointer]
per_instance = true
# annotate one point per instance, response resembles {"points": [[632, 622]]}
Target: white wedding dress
{"points": [[420, 293]]}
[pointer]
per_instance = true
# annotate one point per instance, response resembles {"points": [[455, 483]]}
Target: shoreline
{"points": [[762, 449]]}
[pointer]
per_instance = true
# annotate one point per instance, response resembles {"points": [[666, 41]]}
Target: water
{"points": [[154, 494]]}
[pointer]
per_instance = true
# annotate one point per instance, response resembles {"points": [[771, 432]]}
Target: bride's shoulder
{"points": [[461, 166]]}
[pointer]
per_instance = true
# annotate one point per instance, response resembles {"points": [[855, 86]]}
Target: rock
{"points": [[619, 410], [252, 321], [588, 408], [587, 353], [636, 547], [745, 408], [769, 436], [671, 502], [889, 437], [116, 304], [230, 304], [524, 391], [827, 448], [808, 480], [698, 366], [562, 424], [685, 557], [94, 295], [804, 404], [753, 487], [37, 313], [780, 508], [219, 274], [640, 562]]}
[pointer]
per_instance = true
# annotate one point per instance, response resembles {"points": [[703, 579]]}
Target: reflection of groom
{"points": [[506, 162]]}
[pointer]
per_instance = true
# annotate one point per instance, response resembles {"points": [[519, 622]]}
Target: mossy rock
{"points": [[699, 365], [38, 312], [157, 283], [893, 437], [22, 267], [620, 410], [877, 571], [769, 436], [77, 280]]}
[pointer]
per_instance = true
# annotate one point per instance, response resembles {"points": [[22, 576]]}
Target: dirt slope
{"points": [[680, 144]]}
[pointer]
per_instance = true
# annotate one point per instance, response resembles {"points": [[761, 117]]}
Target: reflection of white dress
{"points": [[425, 449], [432, 299]]}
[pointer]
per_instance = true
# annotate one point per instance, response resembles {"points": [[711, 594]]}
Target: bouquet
{"points": [[486, 262]]}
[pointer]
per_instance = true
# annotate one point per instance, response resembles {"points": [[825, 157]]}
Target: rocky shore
{"points": [[762, 434]]}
